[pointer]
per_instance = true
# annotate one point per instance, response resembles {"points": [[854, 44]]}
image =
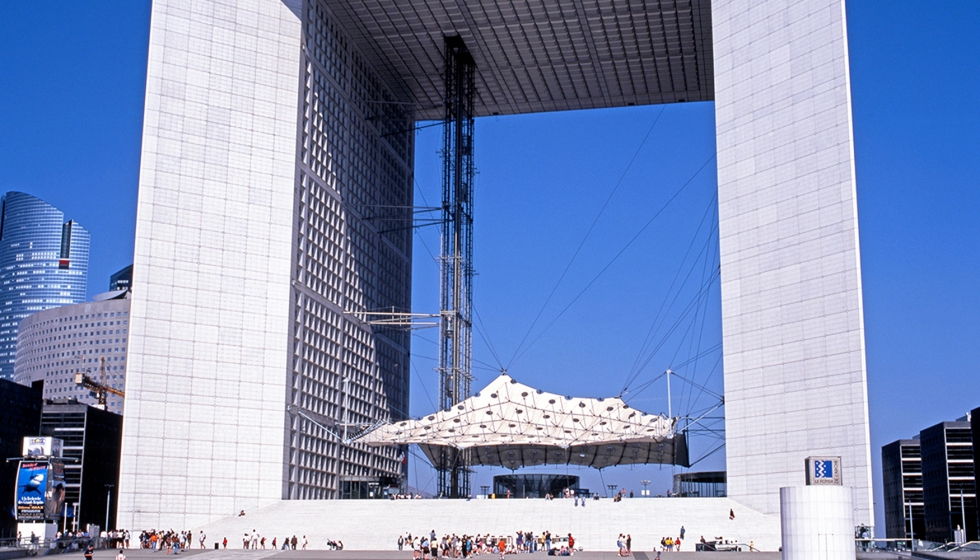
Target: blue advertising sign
{"points": [[32, 485], [40, 492]]}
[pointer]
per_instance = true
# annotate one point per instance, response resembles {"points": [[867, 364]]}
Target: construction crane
{"points": [[101, 388]]}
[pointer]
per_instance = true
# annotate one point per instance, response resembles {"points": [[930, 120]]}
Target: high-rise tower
{"points": [[43, 264]]}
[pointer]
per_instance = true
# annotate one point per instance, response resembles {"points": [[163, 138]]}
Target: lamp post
{"points": [[612, 489], [108, 498], [911, 530], [645, 483]]}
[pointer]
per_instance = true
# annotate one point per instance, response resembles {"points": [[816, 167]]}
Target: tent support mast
{"points": [[456, 259]]}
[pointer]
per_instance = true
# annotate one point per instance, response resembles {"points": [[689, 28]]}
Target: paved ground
{"points": [[230, 554]]}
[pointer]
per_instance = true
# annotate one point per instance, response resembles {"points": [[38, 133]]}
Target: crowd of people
{"points": [[426, 547], [172, 542], [625, 544], [670, 544], [255, 541]]}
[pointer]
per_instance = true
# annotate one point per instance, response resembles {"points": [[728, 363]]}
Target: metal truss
{"points": [[456, 258]]}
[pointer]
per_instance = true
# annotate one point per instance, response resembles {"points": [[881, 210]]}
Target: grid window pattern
{"points": [[205, 421], [792, 317], [901, 469], [43, 264], [542, 55], [948, 481], [55, 344], [352, 253]]}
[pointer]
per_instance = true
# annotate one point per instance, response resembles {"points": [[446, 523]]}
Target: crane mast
{"points": [[101, 388]]}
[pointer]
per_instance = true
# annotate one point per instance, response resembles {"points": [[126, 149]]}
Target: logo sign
{"points": [[42, 447], [823, 471]]}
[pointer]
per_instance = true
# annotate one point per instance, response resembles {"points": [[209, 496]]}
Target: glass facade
{"points": [[535, 485], [701, 484], [43, 264]]}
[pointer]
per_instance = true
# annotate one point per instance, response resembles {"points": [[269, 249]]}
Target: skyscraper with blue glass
{"points": [[43, 264]]}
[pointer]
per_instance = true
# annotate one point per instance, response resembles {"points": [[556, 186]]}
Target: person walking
{"points": [[629, 544]]}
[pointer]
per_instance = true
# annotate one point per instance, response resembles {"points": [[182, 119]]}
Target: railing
{"points": [[911, 545], [32, 546]]}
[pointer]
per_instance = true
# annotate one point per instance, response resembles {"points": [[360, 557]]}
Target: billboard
{"points": [[40, 492], [42, 447]]}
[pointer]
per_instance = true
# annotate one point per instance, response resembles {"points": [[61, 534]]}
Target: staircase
{"points": [[376, 524]]}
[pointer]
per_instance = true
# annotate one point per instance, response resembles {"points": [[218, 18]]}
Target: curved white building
{"points": [[56, 343]]}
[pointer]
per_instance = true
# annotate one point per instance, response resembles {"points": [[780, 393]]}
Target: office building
{"points": [[55, 344], [121, 280], [274, 129], [20, 417], [43, 264], [901, 475], [92, 438], [948, 481]]}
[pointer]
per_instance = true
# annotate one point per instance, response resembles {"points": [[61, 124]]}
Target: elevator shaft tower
{"points": [[456, 259]]}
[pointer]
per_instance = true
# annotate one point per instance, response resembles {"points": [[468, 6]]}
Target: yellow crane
{"points": [[101, 388]]}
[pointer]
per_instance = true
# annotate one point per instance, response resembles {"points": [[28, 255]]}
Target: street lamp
{"points": [[645, 483], [108, 498], [911, 529], [612, 489]]}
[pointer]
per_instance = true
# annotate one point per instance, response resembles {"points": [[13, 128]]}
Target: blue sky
{"points": [[71, 91]]}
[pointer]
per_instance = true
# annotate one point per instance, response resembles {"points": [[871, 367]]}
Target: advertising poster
{"points": [[32, 486], [54, 498]]}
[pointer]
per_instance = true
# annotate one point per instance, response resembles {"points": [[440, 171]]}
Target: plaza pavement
{"points": [[135, 554]]}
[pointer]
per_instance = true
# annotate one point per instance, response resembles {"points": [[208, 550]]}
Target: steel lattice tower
{"points": [[456, 260]]}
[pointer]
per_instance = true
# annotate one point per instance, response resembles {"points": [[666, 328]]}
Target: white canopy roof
{"points": [[511, 424]]}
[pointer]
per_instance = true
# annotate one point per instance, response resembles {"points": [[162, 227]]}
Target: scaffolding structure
{"points": [[456, 259]]}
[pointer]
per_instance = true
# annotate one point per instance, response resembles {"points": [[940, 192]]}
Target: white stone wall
{"points": [[793, 327], [817, 522], [205, 411]]}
